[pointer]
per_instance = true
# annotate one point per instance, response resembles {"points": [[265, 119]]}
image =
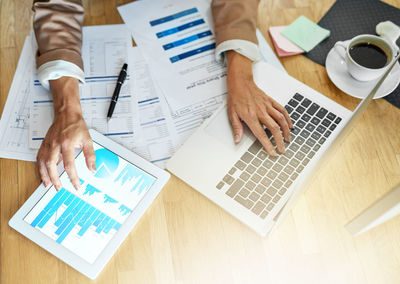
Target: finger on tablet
{"points": [[89, 154], [68, 154]]}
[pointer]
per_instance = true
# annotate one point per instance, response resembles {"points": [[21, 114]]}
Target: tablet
{"points": [[85, 227]]}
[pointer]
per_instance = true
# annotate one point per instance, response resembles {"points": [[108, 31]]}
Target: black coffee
{"points": [[368, 55]]}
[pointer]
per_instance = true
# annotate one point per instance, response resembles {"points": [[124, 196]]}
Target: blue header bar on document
{"points": [[173, 17], [180, 28], [192, 52], [186, 40]]}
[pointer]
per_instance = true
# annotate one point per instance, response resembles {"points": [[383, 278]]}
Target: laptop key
{"points": [[247, 157], [232, 171], [315, 135], [283, 177], [262, 155], [256, 178], [276, 199], [295, 131], [277, 183], [305, 134], [310, 142], [268, 164], [333, 126], [300, 124], [250, 169], [331, 116], [322, 140], [272, 174], [326, 122], [244, 176], [245, 202], [255, 147], [294, 176], [266, 181], [250, 185], [288, 108], [262, 171], [258, 208], [288, 169], [228, 179], [313, 109], [293, 103], [311, 154], [277, 167], [338, 120], [295, 116], [327, 134], [270, 206], [306, 117], [298, 97], [294, 147], [289, 153], [310, 127], [299, 140], [266, 198], [315, 121], [300, 156], [305, 162], [240, 165], [244, 192], [283, 160], [321, 129], [271, 191], [294, 163], [220, 185], [306, 102], [299, 169], [260, 189], [256, 162], [316, 147], [264, 214], [321, 113], [235, 187], [282, 191], [305, 149], [254, 196], [300, 109]]}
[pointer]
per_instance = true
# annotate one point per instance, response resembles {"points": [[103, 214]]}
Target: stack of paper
{"points": [[174, 82]]}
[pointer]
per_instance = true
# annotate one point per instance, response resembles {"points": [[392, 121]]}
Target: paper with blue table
{"points": [[89, 217]]}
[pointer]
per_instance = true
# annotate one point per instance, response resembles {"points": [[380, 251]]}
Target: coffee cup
{"points": [[367, 56]]}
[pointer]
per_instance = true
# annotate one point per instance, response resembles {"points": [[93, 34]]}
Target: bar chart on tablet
{"points": [[85, 220]]}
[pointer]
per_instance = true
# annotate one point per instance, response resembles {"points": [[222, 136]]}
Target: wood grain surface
{"points": [[185, 238]]}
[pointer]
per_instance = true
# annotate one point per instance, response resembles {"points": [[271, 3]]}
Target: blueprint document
{"points": [[14, 125], [178, 42], [105, 49]]}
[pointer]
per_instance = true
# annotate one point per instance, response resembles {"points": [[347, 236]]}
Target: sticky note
{"points": [[283, 46], [305, 33]]}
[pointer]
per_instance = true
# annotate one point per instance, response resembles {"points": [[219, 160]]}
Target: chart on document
{"points": [[85, 220], [177, 40]]}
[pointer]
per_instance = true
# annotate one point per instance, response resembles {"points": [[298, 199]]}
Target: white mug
{"points": [[358, 71]]}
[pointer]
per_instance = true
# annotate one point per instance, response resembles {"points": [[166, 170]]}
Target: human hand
{"points": [[246, 102], [68, 131]]}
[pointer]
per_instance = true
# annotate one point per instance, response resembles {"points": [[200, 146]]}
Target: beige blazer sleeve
{"points": [[235, 19], [58, 30]]}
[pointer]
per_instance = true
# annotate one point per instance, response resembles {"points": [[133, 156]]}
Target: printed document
{"points": [[177, 40], [14, 125], [105, 49]]}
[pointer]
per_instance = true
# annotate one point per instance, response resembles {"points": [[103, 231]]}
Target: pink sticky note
{"points": [[283, 46]]}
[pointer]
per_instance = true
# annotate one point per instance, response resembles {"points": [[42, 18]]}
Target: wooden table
{"points": [[185, 238]]}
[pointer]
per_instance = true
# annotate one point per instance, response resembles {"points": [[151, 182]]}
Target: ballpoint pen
{"points": [[114, 99]]}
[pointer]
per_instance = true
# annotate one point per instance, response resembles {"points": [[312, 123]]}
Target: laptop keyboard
{"points": [[257, 180]]}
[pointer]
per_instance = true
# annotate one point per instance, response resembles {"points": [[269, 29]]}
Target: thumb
{"points": [[237, 126]]}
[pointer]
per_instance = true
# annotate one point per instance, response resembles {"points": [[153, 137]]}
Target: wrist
{"points": [[238, 64], [65, 91]]}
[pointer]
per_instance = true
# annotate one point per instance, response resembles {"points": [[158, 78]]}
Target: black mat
{"points": [[349, 18]]}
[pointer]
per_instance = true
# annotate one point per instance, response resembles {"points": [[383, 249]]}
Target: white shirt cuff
{"points": [[244, 47], [56, 69]]}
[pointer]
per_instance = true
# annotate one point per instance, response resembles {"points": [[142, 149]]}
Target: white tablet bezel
{"points": [[92, 270]]}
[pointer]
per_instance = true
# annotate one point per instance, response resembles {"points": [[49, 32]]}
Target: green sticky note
{"points": [[305, 33]]}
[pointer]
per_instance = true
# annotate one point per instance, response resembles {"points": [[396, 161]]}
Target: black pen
{"points": [[114, 99]]}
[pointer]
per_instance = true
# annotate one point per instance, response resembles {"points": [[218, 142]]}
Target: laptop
{"points": [[256, 188]]}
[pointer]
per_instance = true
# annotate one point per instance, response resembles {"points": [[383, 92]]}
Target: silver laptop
{"points": [[243, 179]]}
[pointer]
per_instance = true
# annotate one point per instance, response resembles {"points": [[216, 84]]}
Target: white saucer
{"points": [[337, 72]]}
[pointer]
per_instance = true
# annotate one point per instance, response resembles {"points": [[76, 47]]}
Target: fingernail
{"points": [[77, 186], [58, 186], [94, 167], [237, 138], [274, 153]]}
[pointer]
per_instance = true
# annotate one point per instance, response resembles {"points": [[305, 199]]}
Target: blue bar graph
{"points": [[77, 213], [173, 17], [192, 52], [186, 40], [179, 28]]}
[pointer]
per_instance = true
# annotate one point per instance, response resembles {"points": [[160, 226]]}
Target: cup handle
{"points": [[340, 48]]}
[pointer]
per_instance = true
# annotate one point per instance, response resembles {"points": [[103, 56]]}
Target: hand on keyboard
{"points": [[246, 102]]}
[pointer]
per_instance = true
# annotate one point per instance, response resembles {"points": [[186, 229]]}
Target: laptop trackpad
{"points": [[220, 127]]}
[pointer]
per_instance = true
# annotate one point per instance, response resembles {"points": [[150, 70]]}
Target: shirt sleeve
{"points": [[56, 69]]}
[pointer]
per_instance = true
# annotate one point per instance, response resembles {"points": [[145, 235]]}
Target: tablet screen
{"points": [[85, 220]]}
